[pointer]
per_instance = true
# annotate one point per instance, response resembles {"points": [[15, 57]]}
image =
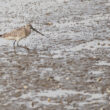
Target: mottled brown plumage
{"points": [[18, 34]]}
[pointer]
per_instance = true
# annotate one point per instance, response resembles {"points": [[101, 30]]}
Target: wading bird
{"points": [[19, 34]]}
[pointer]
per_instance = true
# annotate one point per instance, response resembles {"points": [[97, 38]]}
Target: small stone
{"points": [[50, 78], [32, 104], [73, 82], [91, 47], [25, 87], [18, 94], [108, 90], [67, 78], [99, 79], [103, 44], [101, 108], [49, 23], [49, 99], [48, 13], [65, 1], [58, 86], [99, 43]]}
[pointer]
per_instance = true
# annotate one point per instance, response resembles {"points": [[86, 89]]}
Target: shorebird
{"points": [[19, 34]]}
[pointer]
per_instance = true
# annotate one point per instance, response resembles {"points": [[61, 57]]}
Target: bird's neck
{"points": [[28, 30]]}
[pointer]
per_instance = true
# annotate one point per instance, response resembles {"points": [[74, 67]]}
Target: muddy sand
{"points": [[68, 68]]}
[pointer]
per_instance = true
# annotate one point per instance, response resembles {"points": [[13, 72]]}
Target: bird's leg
{"points": [[26, 48], [37, 31], [18, 43], [14, 46], [22, 46]]}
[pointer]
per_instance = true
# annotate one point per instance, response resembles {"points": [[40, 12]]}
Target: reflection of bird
{"points": [[19, 34]]}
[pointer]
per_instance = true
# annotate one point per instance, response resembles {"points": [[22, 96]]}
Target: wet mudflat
{"points": [[69, 68]]}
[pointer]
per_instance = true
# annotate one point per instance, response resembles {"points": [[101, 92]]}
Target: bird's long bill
{"points": [[37, 31]]}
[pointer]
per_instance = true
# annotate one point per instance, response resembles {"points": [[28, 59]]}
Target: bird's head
{"points": [[29, 26]]}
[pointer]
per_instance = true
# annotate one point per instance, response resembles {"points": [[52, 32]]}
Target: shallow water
{"points": [[68, 68]]}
